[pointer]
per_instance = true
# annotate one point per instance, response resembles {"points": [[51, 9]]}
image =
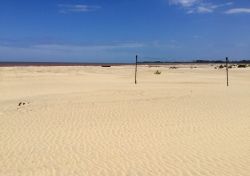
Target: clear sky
{"points": [[116, 30]]}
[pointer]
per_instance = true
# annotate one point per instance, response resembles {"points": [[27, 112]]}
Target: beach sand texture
{"points": [[93, 121]]}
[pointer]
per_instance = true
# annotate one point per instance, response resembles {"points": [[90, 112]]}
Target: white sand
{"points": [[93, 121]]}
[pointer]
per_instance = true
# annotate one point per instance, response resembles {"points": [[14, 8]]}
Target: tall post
{"points": [[227, 70], [136, 60]]}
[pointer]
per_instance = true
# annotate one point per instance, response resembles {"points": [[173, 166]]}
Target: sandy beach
{"points": [[93, 121]]}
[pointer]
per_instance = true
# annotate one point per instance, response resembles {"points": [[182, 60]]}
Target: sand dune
{"points": [[93, 121]]}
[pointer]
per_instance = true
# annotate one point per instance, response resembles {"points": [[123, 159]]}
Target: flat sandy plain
{"points": [[93, 121]]}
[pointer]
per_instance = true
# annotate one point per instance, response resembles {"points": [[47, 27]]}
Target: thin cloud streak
{"points": [[184, 3], [88, 47], [64, 51], [238, 11], [100, 52], [77, 8]]}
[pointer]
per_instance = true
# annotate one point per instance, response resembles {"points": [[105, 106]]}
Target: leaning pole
{"points": [[227, 70]]}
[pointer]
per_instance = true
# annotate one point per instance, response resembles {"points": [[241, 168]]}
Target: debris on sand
{"points": [[22, 103]]}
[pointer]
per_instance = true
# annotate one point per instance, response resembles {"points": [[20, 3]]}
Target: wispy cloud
{"points": [[77, 8], [203, 8], [198, 6], [238, 10]]}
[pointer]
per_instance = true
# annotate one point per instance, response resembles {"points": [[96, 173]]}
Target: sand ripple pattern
{"points": [[162, 127]]}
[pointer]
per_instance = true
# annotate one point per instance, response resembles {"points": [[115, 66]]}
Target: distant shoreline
{"points": [[20, 64], [16, 64]]}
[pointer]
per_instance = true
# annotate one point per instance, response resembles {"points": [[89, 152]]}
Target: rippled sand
{"points": [[93, 121]]}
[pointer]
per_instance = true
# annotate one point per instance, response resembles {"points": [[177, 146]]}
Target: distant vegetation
{"points": [[233, 66], [222, 61], [221, 66], [242, 66], [196, 61], [209, 61]]}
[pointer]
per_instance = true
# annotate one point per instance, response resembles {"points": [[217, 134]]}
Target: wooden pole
{"points": [[136, 60], [227, 70]]}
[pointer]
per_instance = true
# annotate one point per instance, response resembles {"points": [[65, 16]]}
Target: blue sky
{"points": [[116, 30]]}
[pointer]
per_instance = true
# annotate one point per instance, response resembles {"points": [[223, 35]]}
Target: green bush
{"points": [[157, 72]]}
